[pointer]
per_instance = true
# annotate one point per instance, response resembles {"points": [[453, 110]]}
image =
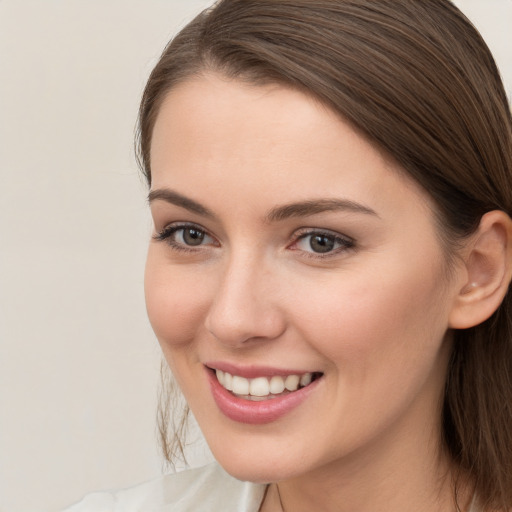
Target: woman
{"points": [[330, 267]]}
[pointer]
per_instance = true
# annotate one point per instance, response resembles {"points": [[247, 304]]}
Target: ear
{"points": [[488, 271]]}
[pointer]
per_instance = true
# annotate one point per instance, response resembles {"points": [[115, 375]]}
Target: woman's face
{"points": [[287, 249]]}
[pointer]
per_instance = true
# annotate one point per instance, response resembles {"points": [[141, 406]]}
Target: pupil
{"points": [[321, 243], [193, 236]]}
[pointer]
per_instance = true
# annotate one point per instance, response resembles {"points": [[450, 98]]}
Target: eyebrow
{"points": [[277, 214], [312, 207], [172, 197]]}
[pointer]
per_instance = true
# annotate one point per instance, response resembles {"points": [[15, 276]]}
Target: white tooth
{"points": [[220, 376], [259, 387], [306, 379], [292, 382], [240, 385], [228, 381], [276, 385]]}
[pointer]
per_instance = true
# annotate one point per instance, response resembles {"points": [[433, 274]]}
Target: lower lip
{"points": [[260, 412]]}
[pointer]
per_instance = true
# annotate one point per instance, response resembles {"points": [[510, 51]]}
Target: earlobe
{"points": [[488, 271]]}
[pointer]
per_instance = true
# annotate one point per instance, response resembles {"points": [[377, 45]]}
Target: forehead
{"points": [[270, 140], [210, 104]]}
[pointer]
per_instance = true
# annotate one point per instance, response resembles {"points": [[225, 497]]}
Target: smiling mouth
{"points": [[264, 388]]}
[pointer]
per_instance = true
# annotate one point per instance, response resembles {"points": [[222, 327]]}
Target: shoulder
{"points": [[204, 489]]}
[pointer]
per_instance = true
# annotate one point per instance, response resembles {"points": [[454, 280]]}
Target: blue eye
{"points": [[321, 243]]}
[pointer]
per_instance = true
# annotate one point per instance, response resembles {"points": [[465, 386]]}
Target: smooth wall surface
{"points": [[78, 361]]}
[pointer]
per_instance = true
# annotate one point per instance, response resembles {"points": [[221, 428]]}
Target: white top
{"points": [[205, 489]]}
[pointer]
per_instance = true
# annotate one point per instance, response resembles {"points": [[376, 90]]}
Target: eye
{"points": [[190, 236], [322, 243], [185, 237]]}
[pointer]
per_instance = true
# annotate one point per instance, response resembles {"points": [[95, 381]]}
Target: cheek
{"points": [[364, 318], [176, 301]]}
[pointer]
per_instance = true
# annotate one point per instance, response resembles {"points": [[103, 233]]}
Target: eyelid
{"points": [[165, 235], [347, 242]]}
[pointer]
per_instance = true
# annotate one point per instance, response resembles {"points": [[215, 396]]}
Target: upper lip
{"points": [[253, 371]]}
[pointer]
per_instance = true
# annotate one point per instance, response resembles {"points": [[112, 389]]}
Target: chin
{"points": [[258, 469], [258, 474]]}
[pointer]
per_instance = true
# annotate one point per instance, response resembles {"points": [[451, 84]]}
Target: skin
{"points": [[373, 318]]}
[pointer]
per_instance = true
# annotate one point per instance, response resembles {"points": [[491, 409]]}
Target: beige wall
{"points": [[78, 362]]}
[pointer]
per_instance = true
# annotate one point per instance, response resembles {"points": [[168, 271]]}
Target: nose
{"points": [[246, 306]]}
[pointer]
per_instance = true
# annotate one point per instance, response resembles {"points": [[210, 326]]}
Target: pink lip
{"points": [[251, 372], [256, 413]]}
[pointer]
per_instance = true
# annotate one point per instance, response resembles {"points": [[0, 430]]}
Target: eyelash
{"points": [[345, 243], [166, 235]]}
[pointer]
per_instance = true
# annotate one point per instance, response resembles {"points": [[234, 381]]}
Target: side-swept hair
{"points": [[416, 79]]}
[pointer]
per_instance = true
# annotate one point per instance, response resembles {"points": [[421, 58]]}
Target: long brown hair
{"points": [[416, 78]]}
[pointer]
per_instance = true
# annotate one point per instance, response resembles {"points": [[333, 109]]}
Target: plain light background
{"points": [[78, 361]]}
